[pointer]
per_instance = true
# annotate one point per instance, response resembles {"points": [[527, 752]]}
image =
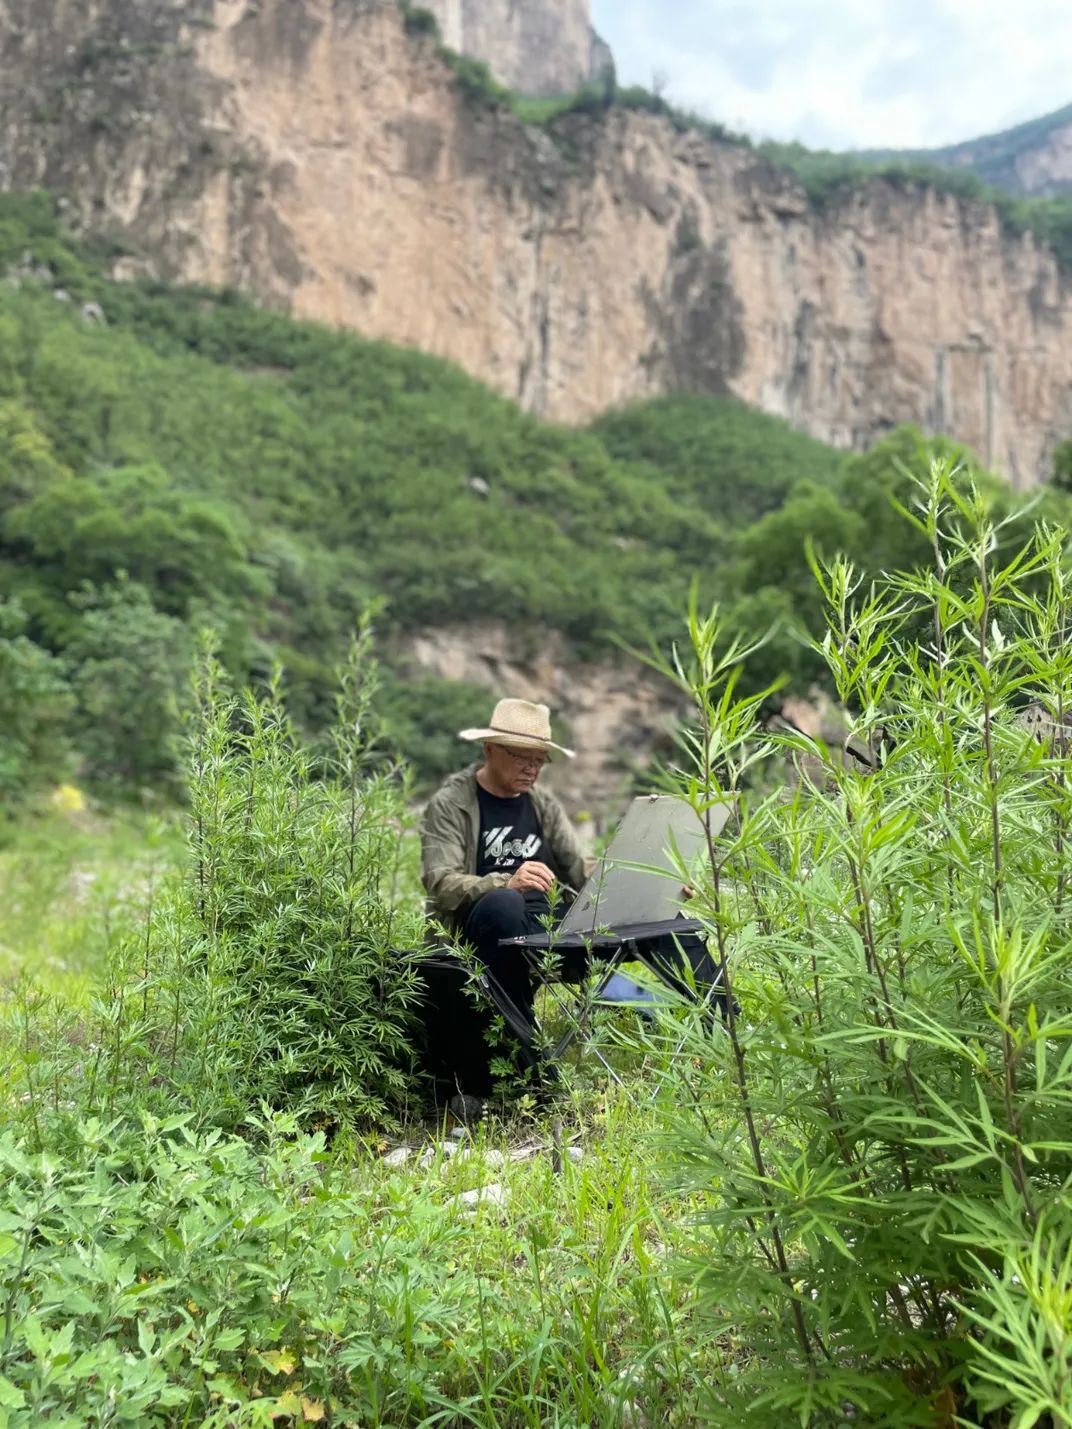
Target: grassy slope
{"points": [[271, 477], [71, 881]]}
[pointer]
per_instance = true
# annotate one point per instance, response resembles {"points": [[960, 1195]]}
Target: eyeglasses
{"points": [[525, 761]]}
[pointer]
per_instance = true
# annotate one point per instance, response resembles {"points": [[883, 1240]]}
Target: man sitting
{"points": [[495, 849], [494, 845]]}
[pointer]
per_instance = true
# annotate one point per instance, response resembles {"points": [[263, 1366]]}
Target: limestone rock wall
{"points": [[314, 154], [534, 46]]}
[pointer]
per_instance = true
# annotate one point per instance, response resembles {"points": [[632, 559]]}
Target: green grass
{"points": [[72, 881]]}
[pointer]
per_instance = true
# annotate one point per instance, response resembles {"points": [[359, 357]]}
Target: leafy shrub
{"points": [[473, 79], [36, 706], [129, 669], [267, 971], [419, 21], [185, 549], [274, 962], [423, 717], [709, 453], [881, 1136], [160, 1276], [165, 1278]]}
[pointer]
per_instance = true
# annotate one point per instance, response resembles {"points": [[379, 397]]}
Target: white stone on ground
{"points": [[493, 1195], [442, 1150]]}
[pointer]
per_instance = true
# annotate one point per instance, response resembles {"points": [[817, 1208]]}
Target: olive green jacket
{"points": [[450, 832]]}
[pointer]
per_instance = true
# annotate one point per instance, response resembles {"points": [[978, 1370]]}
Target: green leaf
{"points": [[11, 1397]]}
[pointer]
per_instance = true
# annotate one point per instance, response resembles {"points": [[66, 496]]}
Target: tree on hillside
{"points": [[35, 709], [130, 668]]}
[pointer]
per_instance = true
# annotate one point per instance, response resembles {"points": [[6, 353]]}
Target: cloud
{"points": [[846, 74]]}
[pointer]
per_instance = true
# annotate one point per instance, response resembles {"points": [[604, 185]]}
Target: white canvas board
{"points": [[618, 894]]}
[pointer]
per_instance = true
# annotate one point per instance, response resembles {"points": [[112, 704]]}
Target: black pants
{"points": [[507, 913], [458, 1023]]}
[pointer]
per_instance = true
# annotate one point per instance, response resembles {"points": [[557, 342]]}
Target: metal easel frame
{"points": [[614, 946]]}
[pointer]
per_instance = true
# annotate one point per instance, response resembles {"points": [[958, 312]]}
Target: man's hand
{"points": [[535, 877]]}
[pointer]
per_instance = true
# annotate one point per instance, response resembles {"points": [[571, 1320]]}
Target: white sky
{"points": [[850, 73]]}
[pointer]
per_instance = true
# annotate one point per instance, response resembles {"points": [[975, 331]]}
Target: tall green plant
{"points": [[881, 1136], [266, 971], [278, 947]]}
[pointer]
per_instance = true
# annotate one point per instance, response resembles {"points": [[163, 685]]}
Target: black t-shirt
{"points": [[510, 833]]}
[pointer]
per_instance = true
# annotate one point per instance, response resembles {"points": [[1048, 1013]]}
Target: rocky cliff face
{"points": [[533, 46], [313, 153]]}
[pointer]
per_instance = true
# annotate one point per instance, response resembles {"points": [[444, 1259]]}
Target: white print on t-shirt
{"points": [[502, 849]]}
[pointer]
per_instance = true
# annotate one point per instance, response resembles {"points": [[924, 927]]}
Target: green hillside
{"points": [[993, 157], [181, 459]]}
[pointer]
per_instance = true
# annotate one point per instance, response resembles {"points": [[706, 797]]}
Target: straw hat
{"points": [[519, 724]]}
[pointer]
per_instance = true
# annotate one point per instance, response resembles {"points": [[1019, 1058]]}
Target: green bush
{"points": [[715, 454], [274, 961], [882, 1137], [419, 21], [267, 970], [129, 669], [423, 717], [36, 706], [474, 80], [166, 1278]]}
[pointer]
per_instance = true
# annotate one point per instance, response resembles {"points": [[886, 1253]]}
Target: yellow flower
{"points": [[68, 800]]}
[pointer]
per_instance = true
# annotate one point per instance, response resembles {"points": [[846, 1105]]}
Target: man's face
{"points": [[515, 769]]}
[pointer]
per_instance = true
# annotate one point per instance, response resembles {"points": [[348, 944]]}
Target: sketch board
{"points": [[617, 894]]}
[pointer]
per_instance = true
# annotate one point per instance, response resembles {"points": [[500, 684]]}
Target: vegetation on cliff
{"points": [[829, 177], [996, 158]]}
